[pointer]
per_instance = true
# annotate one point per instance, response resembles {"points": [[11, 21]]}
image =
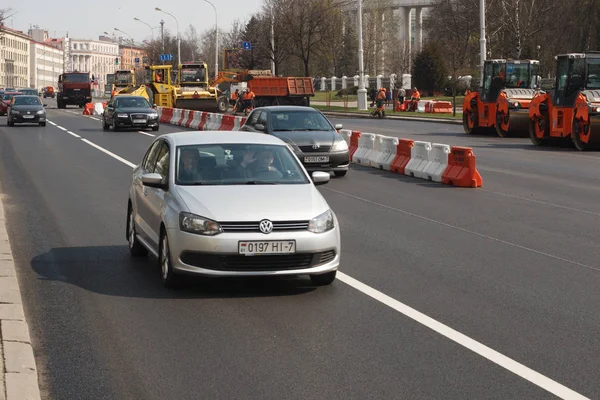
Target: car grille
{"points": [[234, 263], [280, 226], [139, 116], [309, 149]]}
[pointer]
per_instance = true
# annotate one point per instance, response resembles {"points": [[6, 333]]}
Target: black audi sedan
{"points": [[26, 109], [125, 111], [308, 132]]}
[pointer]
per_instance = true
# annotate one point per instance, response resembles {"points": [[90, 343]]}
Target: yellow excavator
{"points": [[124, 84], [194, 91], [159, 86]]}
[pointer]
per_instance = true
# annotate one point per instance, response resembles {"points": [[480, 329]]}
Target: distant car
{"points": [[221, 203], [314, 139], [6, 99], [48, 91], [125, 111], [27, 91], [26, 109]]}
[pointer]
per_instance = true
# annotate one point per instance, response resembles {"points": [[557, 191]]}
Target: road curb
{"points": [[19, 379], [394, 117]]}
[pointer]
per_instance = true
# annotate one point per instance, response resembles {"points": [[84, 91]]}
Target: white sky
{"points": [[89, 19]]}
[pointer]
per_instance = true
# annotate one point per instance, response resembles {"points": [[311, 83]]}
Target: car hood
{"points": [[302, 138], [27, 108], [254, 202], [142, 110]]}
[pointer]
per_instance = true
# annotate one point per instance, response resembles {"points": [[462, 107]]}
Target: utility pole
{"points": [[362, 91], [272, 41], [482, 38], [162, 35]]}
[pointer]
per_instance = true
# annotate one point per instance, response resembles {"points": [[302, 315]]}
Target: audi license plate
{"points": [[267, 247], [28, 116], [139, 121], [320, 159]]}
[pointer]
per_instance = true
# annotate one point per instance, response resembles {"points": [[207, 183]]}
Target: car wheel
{"points": [[42, 124], [155, 128], [340, 173], [323, 279], [105, 126], [167, 275], [135, 247], [115, 127]]}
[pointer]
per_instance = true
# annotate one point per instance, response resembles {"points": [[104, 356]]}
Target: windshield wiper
{"points": [[259, 183], [283, 130]]}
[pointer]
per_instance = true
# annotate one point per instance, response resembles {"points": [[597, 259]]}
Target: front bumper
{"points": [[339, 161], [20, 118], [218, 256], [129, 123]]}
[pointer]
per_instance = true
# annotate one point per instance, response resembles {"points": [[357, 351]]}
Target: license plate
{"points": [[139, 121], [28, 116], [267, 247], [319, 159]]}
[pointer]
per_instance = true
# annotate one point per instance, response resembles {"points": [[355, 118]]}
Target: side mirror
{"points": [[259, 127], [154, 105], [320, 178], [339, 126], [153, 180], [45, 105]]}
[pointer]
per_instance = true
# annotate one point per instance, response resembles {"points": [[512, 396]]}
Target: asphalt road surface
{"points": [[444, 292]]}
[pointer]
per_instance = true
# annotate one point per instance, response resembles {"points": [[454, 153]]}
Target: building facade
{"points": [[46, 64], [98, 57], [14, 58], [129, 54]]}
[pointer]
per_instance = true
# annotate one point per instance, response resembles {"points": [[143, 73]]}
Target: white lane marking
{"points": [[542, 202], [61, 128], [95, 119], [51, 123], [465, 230], [511, 365], [73, 134], [113, 155], [146, 133]]}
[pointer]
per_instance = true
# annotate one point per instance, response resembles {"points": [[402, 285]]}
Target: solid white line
{"points": [[61, 128], [74, 134], [146, 133], [465, 341], [95, 119], [113, 155], [51, 123], [513, 366], [542, 202], [465, 230]]}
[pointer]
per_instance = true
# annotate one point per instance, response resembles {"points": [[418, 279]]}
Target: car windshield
{"points": [[193, 74], [518, 76], [237, 164], [29, 91], [132, 102], [299, 120], [123, 77], [9, 96], [27, 101], [77, 78]]}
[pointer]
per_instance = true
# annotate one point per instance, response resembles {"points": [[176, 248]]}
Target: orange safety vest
{"points": [[416, 95], [249, 96], [381, 95], [234, 96]]}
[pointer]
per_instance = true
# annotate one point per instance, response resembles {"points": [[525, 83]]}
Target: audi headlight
{"points": [[192, 223], [122, 115], [14, 112], [340, 145], [322, 223], [153, 115], [41, 112]]}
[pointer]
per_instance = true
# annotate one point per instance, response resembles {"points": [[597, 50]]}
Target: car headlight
{"points": [[14, 112], [340, 145], [122, 115], [153, 115], [192, 223], [41, 112], [322, 223]]}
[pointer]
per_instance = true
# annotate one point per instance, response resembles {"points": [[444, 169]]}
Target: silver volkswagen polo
{"points": [[226, 203]]}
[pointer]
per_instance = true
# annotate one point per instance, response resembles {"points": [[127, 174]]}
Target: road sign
{"points": [[137, 60], [247, 45], [166, 57]]}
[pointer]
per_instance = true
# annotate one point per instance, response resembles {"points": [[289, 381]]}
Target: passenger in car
{"points": [[189, 166]]}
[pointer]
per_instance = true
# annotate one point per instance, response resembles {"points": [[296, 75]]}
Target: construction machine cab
{"points": [[575, 72], [494, 79], [522, 74], [158, 79], [193, 74], [124, 78]]}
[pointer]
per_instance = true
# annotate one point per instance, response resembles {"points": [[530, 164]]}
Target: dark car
{"points": [[6, 99], [28, 91], [126, 111], [309, 133], [24, 109]]}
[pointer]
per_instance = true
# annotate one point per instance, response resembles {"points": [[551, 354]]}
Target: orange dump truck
{"points": [[273, 90]]}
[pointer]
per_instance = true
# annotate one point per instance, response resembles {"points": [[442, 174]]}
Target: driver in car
{"points": [[188, 170], [259, 165]]}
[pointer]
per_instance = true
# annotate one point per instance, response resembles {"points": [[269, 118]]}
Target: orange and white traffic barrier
{"points": [[462, 170], [403, 152], [389, 146], [376, 153], [88, 109], [418, 160], [366, 142], [438, 162]]}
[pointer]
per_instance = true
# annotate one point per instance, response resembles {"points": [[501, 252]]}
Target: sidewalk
{"points": [[353, 104], [19, 380]]}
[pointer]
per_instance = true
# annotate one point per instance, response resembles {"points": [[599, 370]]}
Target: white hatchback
{"points": [[226, 203]]}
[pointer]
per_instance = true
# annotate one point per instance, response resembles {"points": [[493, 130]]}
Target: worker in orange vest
{"points": [[414, 100], [248, 100]]}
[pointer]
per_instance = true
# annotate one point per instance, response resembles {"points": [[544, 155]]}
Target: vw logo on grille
{"points": [[265, 226], [28, 112], [315, 146]]}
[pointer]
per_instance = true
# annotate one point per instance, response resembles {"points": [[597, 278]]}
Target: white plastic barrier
{"points": [[421, 106], [237, 124], [438, 162], [346, 134], [197, 119], [159, 111], [376, 153], [419, 157], [213, 122], [366, 141], [389, 146], [176, 116], [98, 109]]}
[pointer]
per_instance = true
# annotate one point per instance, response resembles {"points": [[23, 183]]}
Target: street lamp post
{"points": [[130, 47], [178, 37], [482, 37], [362, 91], [151, 30], [216, 40]]}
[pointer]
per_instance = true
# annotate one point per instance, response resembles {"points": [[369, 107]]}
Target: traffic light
{"points": [[116, 60]]}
